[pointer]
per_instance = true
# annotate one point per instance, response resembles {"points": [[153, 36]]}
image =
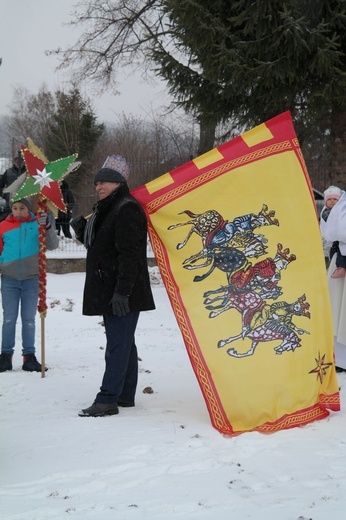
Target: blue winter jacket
{"points": [[19, 246]]}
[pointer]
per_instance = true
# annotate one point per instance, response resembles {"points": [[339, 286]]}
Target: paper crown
{"points": [[303, 306], [284, 254], [119, 164]]}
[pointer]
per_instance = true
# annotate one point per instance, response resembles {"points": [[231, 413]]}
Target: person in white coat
{"points": [[334, 230], [332, 196]]}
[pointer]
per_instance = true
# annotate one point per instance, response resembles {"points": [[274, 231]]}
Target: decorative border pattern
{"points": [[202, 178]]}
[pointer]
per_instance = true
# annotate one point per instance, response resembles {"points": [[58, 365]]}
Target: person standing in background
{"points": [[63, 219], [332, 196], [9, 176], [334, 231]]}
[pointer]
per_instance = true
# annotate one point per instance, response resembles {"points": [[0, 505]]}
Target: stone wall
{"points": [[64, 266], [74, 265]]}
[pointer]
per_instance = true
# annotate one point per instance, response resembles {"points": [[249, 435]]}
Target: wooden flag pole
{"points": [[42, 278]]}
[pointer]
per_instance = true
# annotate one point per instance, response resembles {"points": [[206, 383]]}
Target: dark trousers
{"points": [[340, 259], [63, 223], [121, 372]]}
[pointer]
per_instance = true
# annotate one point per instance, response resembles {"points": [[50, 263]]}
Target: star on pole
{"points": [[43, 177]]}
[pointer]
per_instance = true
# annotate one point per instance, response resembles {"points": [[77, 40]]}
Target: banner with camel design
{"points": [[236, 237]]}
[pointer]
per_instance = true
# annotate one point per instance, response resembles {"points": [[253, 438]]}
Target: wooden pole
{"points": [[43, 361], [42, 303]]}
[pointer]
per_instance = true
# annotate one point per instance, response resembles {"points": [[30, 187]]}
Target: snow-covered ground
{"points": [[161, 460]]}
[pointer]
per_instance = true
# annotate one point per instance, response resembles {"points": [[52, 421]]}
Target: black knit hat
{"points": [[108, 175]]}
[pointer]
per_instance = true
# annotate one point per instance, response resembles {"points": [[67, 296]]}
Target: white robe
{"points": [[332, 230], [337, 291]]}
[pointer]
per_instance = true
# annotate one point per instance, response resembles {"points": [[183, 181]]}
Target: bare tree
{"points": [[114, 33], [29, 116], [151, 147], [139, 33]]}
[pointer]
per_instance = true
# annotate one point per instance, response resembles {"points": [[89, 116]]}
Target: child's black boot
{"points": [[30, 364], [5, 362]]}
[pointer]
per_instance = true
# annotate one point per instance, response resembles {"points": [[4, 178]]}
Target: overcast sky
{"points": [[27, 29]]}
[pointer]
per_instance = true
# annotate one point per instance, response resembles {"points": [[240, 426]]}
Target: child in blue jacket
{"points": [[19, 249]]}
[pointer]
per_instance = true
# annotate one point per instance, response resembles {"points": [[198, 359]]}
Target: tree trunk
{"points": [[207, 131]]}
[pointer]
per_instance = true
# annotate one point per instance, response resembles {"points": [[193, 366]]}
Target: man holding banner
{"points": [[117, 284]]}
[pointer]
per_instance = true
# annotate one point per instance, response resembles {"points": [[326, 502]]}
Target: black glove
{"points": [[120, 304], [78, 224]]}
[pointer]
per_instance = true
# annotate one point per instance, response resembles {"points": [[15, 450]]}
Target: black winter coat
{"points": [[9, 176], [117, 257], [69, 200]]}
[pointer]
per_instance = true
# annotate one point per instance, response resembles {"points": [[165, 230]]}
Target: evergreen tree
{"points": [[250, 61], [73, 128]]}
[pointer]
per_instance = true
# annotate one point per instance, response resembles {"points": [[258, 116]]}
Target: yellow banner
{"points": [[236, 237]]}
